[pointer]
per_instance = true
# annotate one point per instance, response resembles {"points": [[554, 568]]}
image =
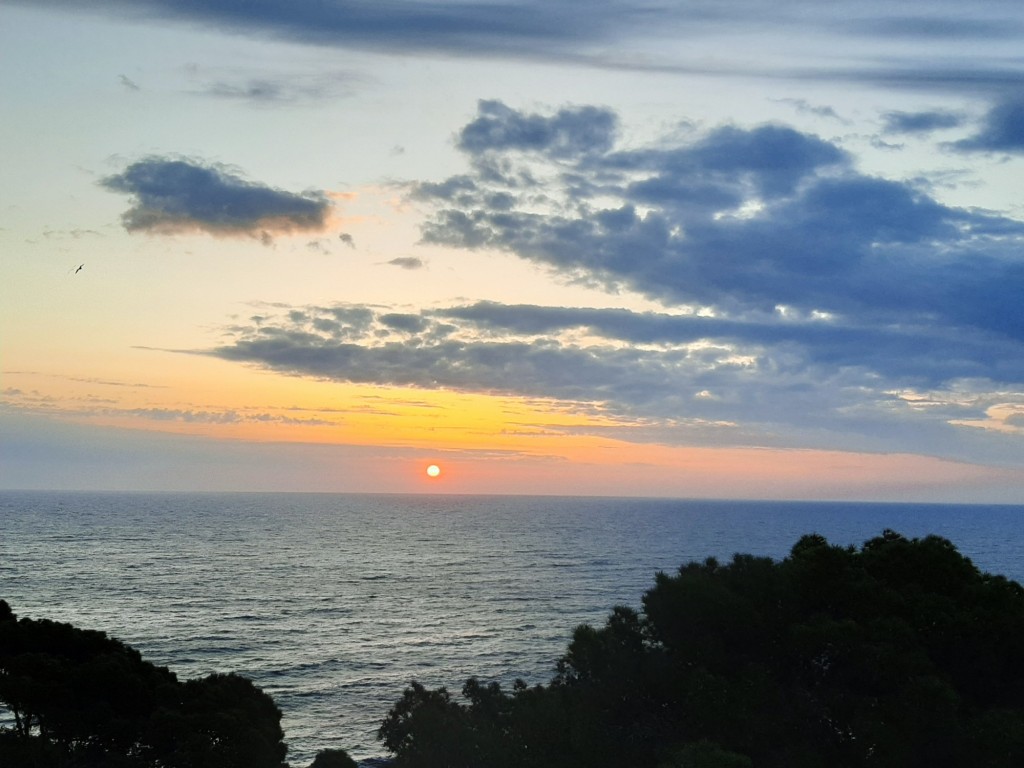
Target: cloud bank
{"points": [[741, 221], [921, 122], [583, 31], [805, 303], [172, 196], [673, 378], [1002, 129]]}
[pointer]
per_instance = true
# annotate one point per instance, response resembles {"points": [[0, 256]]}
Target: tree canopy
{"points": [[899, 654], [80, 698]]}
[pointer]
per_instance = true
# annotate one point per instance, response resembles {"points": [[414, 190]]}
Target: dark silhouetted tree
{"points": [[898, 655], [333, 758], [80, 698]]}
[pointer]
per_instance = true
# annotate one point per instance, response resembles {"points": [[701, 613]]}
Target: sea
{"points": [[334, 603]]}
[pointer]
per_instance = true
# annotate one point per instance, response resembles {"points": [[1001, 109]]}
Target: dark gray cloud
{"points": [[271, 88], [588, 31], [826, 381], [173, 195], [568, 133], [480, 27], [901, 355], [407, 262], [970, 77], [805, 107], [403, 321], [772, 158], [747, 220], [428, 350], [921, 122], [938, 26], [215, 417], [260, 90], [1002, 129], [804, 297]]}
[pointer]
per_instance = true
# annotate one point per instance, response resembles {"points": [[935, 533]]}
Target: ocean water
{"points": [[334, 603]]}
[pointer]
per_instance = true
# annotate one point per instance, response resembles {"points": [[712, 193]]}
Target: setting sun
{"points": [[433, 470]]}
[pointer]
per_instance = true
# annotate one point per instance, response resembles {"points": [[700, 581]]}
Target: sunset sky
{"points": [[724, 248]]}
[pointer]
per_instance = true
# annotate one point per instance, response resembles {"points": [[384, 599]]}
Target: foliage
{"points": [[80, 698], [898, 655], [704, 754], [333, 758]]}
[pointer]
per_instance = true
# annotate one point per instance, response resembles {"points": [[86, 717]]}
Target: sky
{"points": [[729, 249]]}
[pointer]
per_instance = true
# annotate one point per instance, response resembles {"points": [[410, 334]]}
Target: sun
{"points": [[434, 471]]}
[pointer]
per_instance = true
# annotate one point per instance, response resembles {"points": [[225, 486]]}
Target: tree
{"points": [[221, 721], [85, 693], [704, 754], [332, 758], [80, 698], [898, 655], [427, 728]]}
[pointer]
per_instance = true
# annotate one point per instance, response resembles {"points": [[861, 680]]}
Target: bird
{"points": [[79, 268]]}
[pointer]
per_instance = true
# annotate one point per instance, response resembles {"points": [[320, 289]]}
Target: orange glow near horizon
{"points": [[242, 404], [496, 444]]}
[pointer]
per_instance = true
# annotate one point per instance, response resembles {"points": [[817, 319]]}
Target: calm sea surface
{"points": [[333, 603]]}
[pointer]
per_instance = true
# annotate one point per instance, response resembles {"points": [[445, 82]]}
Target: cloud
{"points": [[745, 220], [592, 32], [805, 107], [921, 122], [802, 298], [568, 133], [262, 90], [773, 158], [938, 26], [172, 196], [1002, 129], [83, 380], [787, 379], [128, 83], [188, 416], [248, 416], [424, 350], [480, 27], [319, 246], [271, 88], [403, 321], [407, 262], [970, 78]]}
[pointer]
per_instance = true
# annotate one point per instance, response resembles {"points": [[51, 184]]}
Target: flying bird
{"points": [[79, 268]]}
